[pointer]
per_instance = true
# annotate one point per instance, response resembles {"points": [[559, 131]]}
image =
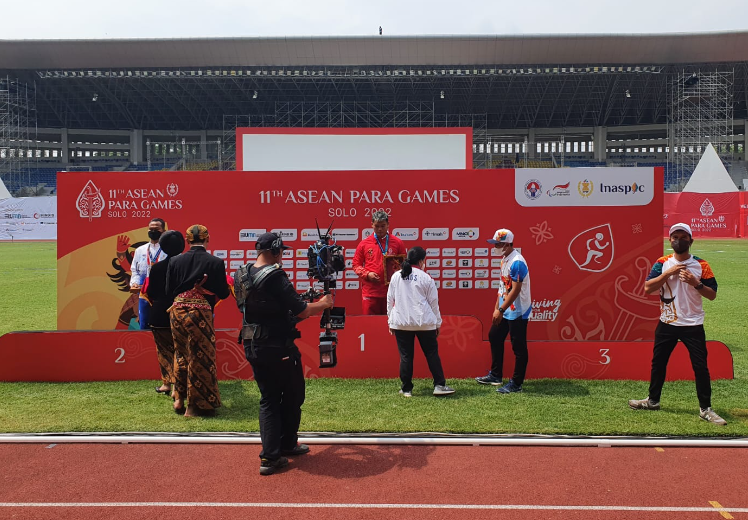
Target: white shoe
{"points": [[712, 416], [406, 394], [443, 390]]}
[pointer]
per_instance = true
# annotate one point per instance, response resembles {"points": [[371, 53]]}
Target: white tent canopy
{"points": [[4, 193], [710, 175]]}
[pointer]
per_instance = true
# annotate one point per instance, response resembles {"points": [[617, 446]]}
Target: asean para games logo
{"points": [[585, 188], [90, 202]]}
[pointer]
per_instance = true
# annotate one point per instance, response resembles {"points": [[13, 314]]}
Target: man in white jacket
{"points": [[413, 311]]}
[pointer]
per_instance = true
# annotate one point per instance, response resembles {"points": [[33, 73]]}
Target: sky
{"points": [[80, 19]]}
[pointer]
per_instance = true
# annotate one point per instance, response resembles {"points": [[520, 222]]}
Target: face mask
{"points": [[154, 235], [680, 246]]}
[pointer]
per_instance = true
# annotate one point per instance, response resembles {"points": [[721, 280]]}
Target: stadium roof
{"points": [[663, 49], [507, 82]]}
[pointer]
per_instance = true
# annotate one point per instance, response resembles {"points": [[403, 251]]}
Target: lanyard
{"points": [[154, 259], [386, 244]]}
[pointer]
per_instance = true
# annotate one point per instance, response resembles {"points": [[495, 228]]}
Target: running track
{"points": [[187, 481]]}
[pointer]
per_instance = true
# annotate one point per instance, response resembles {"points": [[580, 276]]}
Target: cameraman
{"points": [[271, 309]]}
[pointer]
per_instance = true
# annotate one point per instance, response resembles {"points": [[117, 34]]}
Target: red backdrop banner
{"points": [[589, 236], [710, 215]]}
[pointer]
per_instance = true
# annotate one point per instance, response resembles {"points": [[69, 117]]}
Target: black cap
{"points": [[270, 241], [172, 243]]}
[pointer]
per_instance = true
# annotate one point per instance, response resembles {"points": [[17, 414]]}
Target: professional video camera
{"points": [[325, 261]]}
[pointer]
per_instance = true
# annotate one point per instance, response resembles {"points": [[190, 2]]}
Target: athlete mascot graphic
{"points": [[128, 316]]}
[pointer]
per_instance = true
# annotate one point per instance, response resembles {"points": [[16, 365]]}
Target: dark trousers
{"points": [[694, 338], [282, 387], [406, 340], [517, 331]]}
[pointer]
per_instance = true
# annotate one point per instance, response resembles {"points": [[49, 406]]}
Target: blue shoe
{"points": [[509, 388], [489, 379]]}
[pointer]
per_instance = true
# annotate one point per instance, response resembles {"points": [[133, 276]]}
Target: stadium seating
{"points": [[46, 176], [584, 164]]}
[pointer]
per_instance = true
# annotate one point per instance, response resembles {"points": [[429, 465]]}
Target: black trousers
{"points": [[517, 331], [694, 338], [282, 389], [406, 340]]}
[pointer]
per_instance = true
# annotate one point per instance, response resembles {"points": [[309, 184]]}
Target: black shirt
{"points": [[280, 289], [272, 306], [187, 269]]}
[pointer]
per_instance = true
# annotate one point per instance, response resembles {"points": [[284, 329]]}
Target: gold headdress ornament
{"points": [[197, 233]]}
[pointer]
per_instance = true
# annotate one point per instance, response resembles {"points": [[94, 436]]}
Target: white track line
{"points": [[385, 440], [311, 505]]}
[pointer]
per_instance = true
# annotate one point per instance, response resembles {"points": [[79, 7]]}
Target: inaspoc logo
{"points": [[585, 188], [90, 202], [533, 189], [560, 190], [621, 188]]}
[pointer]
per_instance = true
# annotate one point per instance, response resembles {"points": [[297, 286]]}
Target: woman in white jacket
{"points": [[413, 311]]}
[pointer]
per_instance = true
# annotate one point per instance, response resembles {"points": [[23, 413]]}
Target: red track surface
{"points": [[146, 473]]}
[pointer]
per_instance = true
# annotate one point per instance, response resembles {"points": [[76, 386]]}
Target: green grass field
{"points": [[573, 407]]}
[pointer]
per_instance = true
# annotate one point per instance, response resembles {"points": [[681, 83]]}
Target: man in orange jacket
{"points": [[368, 263]]}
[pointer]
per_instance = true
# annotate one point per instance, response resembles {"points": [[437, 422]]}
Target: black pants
{"points": [[282, 387], [406, 340], [694, 338], [517, 331]]}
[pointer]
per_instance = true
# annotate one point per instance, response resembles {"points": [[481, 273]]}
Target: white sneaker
{"points": [[712, 416], [406, 394], [443, 390], [643, 404]]}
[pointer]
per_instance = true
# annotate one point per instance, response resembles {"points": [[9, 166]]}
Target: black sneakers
{"points": [[268, 467], [489, 379], [299, 449], [509, 388]]}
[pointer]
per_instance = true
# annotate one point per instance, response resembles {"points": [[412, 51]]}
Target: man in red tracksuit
{"points": [[368, 263]]}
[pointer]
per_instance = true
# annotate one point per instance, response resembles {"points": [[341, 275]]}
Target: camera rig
{"points": [[325, 261]]}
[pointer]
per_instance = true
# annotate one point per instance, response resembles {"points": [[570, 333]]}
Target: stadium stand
{"points": [[516, 92]]}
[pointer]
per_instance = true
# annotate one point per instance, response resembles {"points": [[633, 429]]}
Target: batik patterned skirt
{"points": [[195, 376]]}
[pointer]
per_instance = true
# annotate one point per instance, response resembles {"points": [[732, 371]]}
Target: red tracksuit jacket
{"points": [[368, 258]]}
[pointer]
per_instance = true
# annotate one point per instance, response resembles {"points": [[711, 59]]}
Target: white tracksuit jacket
{"points": [[413, 302]]}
